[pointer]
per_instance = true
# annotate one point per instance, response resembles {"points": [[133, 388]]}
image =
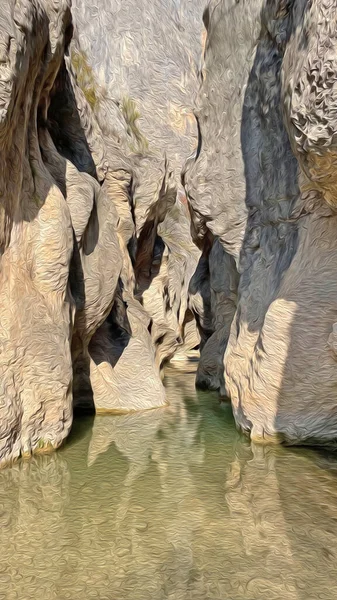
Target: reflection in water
{"points": [[169, 504]]}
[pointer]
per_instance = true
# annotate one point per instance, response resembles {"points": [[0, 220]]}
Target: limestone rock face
{"points": [[36, 308], [214, 177], [148, 52], [274, 159], [145, 56], [281, 361], [70, 321]]}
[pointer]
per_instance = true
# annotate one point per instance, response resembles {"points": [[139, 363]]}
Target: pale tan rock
{"points": [[36, 311], [65, 226], [214, 177], [263, 183], [280, 368]]}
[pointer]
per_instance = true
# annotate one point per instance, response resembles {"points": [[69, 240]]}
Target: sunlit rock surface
{"points": [[148, 52], [36, 236], [280, 365], [146, 56], [263, 185], [88, 225]]}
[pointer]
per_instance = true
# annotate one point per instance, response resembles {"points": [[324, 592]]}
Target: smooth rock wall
{"points": [[280, 364]]}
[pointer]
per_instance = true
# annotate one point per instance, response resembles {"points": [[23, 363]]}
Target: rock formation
{"points": [[36, 313], [147, 61], [87, 227], [263, 184], [148, 53], [214, 177]]}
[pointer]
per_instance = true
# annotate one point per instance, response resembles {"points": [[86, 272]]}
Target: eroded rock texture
{"points": [[36, 309], [148, 52], [275, 158], [287, 308], [146, 57], [214, 178], [96, 253]]}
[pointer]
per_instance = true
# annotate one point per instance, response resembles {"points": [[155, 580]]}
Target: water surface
{"points": [[169, 504]]}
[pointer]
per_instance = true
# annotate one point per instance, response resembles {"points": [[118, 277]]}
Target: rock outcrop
{"points": [[89, 229], [145, 56], [148, 53], [265, 188], [214, 177], [36, 308]]}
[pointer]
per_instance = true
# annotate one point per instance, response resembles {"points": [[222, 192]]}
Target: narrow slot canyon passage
{"points": [[168, 300]]}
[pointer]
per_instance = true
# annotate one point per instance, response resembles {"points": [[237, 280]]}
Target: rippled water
{"points": [[169, 504]]}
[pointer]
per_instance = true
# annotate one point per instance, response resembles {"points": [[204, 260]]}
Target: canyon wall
{"points": [[148, 52], [145, 58], [263, 187], [214, 178], [96, 252], [107, 272]]}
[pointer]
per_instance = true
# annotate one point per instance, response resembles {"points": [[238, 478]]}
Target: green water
{"points": [[169, 504]]}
